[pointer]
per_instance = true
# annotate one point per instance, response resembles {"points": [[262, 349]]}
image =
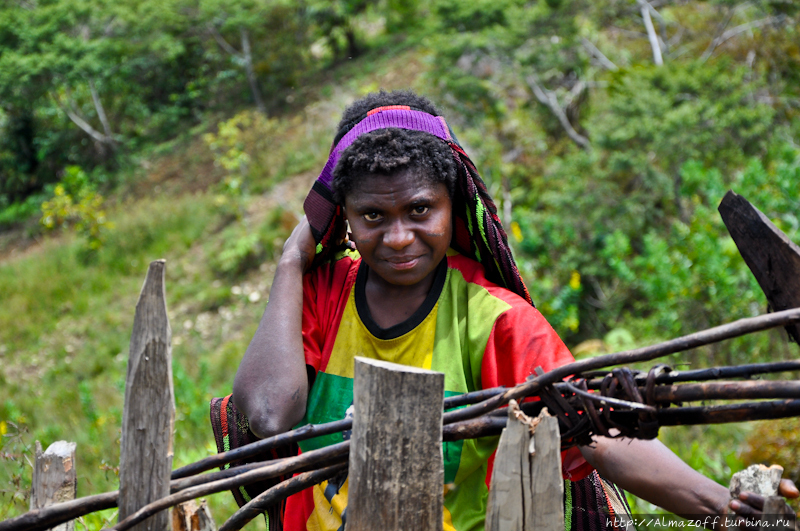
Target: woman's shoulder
{"points": [[473, 276], [340, 272]]}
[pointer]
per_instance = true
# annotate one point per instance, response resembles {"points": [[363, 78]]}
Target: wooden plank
{"points": [[396, 474], [54, 478], [547, 485], [189, 516], [772, 257], [527, 491], [510, 490], [145, 461]]}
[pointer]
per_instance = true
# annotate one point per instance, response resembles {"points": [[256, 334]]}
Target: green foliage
{"points": [[75, 204], [241, 250], [19, 212], [256, 151], [775, 442]]}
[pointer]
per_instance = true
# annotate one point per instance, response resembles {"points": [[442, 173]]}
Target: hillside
{"points": [[606, 166], [66, 319]]}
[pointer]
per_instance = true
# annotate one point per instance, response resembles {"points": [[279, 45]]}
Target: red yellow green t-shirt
{"points": [[478, 334]]}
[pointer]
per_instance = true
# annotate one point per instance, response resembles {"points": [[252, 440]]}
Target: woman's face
{"points": [[401, 224]]}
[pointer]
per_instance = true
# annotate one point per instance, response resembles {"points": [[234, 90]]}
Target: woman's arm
{"points": [[654, 473], [271, 384]]}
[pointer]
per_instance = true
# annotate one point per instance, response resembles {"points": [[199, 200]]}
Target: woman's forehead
{"points": [[406, 184]]}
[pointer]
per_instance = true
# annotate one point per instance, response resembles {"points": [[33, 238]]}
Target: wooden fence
{"points": [[398, 411]]}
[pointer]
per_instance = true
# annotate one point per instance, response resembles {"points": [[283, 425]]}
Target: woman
{"points": [[433, 285]]}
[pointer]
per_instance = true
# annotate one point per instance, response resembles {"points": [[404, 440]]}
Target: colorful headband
{"points": [[477, 231]]}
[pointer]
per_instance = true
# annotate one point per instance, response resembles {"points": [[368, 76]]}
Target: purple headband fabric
{"points": [[383, 119]]}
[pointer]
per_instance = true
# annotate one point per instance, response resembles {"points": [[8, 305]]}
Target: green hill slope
{"points": [[607, 169]]}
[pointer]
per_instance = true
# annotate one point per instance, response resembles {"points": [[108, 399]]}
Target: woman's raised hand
{"points": [[300, 246]]}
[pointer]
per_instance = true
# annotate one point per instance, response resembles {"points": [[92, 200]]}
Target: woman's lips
{"points": [[403, 263]]}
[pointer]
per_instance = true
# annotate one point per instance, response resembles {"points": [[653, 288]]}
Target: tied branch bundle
{"points": [[591, 402]]}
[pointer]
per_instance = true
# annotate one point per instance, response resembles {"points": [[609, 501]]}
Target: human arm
{"points": [[271, 384], [654, 473]]}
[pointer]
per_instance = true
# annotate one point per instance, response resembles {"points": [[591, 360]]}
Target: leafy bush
{"points": [[241, 249], [75, 204]]}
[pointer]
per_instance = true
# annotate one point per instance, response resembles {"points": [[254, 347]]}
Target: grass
{"points": [[66, 315]]}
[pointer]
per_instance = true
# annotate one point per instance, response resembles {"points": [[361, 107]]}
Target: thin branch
{"points": [[651, 32], [740, 29], [597, 54], [548, 98], [264, 445], [720, 30], [222, 42], [101, 113], [272, 470], [80, 122], [279, 492], [251, 74], [594, 379], [698, 339]]}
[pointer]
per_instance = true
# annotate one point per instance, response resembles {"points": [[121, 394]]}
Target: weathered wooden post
{"points": [[772, 257], [145, 461], [527, 492], [54, 477], [396, 476]]}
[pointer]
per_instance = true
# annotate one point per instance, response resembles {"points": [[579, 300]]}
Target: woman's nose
{"points": [[398, 236]]}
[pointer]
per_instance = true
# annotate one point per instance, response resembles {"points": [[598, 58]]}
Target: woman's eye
{"points": [[420, 210], [372, 216]]}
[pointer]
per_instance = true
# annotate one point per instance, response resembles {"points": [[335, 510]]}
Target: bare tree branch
{"points": [[245, 57], [251, 74], [222, 42], [597, 54], [651, 32], [548, 98], [70, 111], [101, 113], [740, 29]]}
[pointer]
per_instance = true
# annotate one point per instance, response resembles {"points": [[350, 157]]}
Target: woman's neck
{"points": [[390, 304]]}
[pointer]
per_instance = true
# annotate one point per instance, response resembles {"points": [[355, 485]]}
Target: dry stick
{"points": [[251, 450], [675, 416], [306, 432], [51, 516], [744, 411], [736, 371], [712, 335], [727, 391], [252, 476], [277, 493]]}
